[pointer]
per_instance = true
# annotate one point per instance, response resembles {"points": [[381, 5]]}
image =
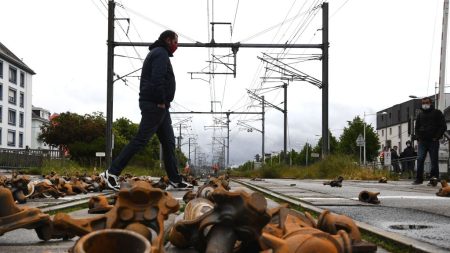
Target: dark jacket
{"points": [[430, 125], [408, 152], [157, 77]]}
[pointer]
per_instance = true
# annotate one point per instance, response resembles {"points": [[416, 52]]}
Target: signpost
{"points": [[360, 143], [100, 155]]}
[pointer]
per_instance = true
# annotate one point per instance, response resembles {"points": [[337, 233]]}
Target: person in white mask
{"points": [[430, 126]]}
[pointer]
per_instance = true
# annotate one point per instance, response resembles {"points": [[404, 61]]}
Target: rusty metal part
{"points": [[140, 229], [46, 189], [283, 216], [194, 209], [19, 187], [308, 240], [162, 183], [78, 186], [445, 189], [188, 196], [140, 203], [99, 204], [369, 197], [66, 188], [213, 183], [335, 183], [382, 180], [13, 217], [332, 223], [112, 241], [236, 217]]}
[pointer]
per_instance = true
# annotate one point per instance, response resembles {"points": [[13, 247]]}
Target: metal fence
{"points": [[27, 158]]}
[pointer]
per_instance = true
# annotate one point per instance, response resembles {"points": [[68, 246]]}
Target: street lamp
{"points": [[364, 131]]}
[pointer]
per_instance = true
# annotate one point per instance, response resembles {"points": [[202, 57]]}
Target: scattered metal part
{"points": [[196, 208], [99, 204], [188, 196], [139, 203], [382, 180], [369, 197], [292, 231], [433, 181], [236, 217], [335, 183], [193, 210], [308, 240], [13, 217], [140, 229], [332, 223], [445, 189], [112, 241], [19, 187], [162, 183], [45, 189]]}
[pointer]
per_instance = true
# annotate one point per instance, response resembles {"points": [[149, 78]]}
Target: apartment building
{"points": [[39, 117], [15, 101]]}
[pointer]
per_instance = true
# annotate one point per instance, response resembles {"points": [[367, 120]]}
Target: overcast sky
{"points": [[380, 53]]}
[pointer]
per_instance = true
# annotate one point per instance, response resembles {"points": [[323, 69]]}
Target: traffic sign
{"points": [[360, 141]]}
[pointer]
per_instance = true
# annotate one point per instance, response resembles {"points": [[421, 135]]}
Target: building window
{"points": [[12, 117], [390, 131], [1, 69], [12, 96], [22, 79], [20, 140], [11, 138], [1, 114], [21, 119], [382, 132], [13, 75], [1, 91], [400, 131], [0, 136], [21, 99]]}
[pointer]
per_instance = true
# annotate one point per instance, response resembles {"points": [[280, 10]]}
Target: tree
{"points": [[333, 144], [347, 142], [81, 135]]}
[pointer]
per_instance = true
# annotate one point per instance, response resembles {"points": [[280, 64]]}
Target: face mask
{"points": [[173, 48], [425, 106]]}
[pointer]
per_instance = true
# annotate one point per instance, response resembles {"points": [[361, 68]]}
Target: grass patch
{"points": [[329, 168], [386, 244], [70, 168]]}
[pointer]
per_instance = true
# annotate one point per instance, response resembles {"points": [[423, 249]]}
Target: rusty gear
{"points": [[140, 203]]}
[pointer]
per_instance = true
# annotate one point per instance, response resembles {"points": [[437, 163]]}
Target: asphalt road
{"points": [[410, 210]]}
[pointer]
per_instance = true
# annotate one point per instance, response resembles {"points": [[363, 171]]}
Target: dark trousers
{"points": [[154, 120], [433, 148]]}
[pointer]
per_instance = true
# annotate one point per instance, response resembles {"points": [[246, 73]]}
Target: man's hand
{"points": [[162, 106]]}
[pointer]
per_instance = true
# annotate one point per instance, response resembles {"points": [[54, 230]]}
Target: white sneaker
{"points": [[181, 186], [112, 181]]}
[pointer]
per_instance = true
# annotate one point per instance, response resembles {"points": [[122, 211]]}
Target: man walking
{"points": [[157, 90], [430, 126]]}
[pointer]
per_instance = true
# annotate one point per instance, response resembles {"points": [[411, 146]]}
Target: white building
{"points": [[15, 101], [39, 117]]}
